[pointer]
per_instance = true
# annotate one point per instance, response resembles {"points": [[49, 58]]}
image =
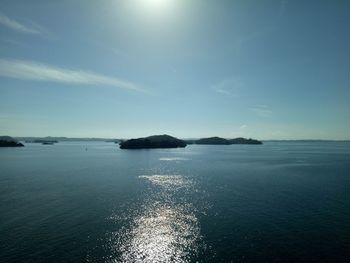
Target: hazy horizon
{"points": [[271, 70]]}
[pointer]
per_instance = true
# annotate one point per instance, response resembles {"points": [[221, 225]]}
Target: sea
{"points": [[283, 201]]}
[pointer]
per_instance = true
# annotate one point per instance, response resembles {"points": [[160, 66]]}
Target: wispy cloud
{"points": [[29, 70], [244, 126], [262, 111], [228, 86], [15, 25]]}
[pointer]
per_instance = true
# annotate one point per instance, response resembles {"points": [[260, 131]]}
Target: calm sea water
{"points": [[277, 202]]}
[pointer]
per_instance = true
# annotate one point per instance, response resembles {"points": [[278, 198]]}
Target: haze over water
{"points": [[277, 202]]}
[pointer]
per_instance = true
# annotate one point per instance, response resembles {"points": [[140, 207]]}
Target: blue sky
{"points": [[190, 68]]}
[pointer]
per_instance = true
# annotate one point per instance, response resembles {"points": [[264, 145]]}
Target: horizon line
{"points": [[183, 138]]}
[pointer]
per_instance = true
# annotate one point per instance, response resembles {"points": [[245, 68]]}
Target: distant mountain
{"points": [[7, 141], [222, 141], [156, 141]]}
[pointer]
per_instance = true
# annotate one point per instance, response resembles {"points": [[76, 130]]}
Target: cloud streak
{"points": [[228, 87], [262, 111], [17, 26], [28, 70]]}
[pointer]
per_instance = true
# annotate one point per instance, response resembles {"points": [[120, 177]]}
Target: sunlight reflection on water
{"points": [[168, 182], [173, 159], [166, 230]]}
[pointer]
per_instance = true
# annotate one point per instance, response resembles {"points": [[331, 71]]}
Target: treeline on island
{"points": [[222, 141], [166, 141]]}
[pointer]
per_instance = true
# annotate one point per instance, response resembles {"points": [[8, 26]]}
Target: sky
{"points": [[272, 69]]}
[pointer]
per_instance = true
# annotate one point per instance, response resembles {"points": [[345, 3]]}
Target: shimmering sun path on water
{"points": [[165, 230]]}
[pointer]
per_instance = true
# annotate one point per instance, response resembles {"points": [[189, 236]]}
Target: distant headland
{"points": [[7, 141], [63, 139], [42, 141], [222, 141]]}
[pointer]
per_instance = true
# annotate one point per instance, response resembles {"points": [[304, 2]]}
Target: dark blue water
{"points": [[277, 202]]}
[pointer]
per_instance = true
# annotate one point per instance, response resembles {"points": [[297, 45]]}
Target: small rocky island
{"points": [[7, 141], [222, 141], [156, 141]]}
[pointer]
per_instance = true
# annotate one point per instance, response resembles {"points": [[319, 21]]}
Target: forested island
{"points": [[222, 141], [7, 141], [155, 141], [213, 140]]}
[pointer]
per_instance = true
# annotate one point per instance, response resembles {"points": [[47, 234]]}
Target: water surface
{"points": [[277, 202]]}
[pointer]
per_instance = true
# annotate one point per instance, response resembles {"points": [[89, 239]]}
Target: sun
{"points": [[157, 2], [153, 11], [157, 5]]}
